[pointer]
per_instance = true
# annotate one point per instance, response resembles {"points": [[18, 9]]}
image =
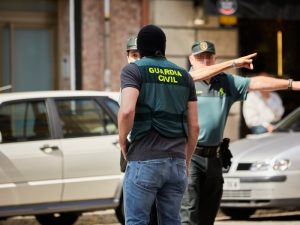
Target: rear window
{"points": [[84, 117]]}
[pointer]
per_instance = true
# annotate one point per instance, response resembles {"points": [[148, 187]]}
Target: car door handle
{"points": [[48, 148]]}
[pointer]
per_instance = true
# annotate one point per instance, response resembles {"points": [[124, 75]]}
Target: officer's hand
{"points": [[245, 61]]}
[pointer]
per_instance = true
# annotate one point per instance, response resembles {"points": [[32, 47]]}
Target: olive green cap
{"points": [[131, 43], [203, 46]]}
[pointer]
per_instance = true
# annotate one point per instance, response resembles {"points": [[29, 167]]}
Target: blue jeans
{"points": [[163, 180]]}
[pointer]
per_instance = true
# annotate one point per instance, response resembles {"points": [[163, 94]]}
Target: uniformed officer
{"points": [[159, 109], [215, 94], [132, 51]]}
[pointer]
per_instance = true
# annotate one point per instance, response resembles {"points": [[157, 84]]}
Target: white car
{"points": [[265, 171], [59, 155]]}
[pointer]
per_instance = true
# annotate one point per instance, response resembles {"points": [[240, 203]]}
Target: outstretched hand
{"points": [[245, 61]]}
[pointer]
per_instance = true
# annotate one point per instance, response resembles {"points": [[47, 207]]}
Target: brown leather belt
{"points": [[208, 151]]}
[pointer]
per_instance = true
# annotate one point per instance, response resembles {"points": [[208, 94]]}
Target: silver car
{"points": [[59, 155], [265, 171]]}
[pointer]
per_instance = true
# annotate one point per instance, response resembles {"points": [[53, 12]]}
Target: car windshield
{"points": [[290, 123]]}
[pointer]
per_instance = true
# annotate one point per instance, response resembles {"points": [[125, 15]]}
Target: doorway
{"points": [[261, 36]]}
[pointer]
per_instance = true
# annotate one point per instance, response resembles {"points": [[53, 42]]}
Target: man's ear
{"points": [[192, 59]]}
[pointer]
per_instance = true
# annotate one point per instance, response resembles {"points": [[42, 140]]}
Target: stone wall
{"points": [[124, 21], [92, 45]]}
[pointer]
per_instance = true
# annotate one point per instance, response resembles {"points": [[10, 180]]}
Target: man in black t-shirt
{"points": [[158, 107]]}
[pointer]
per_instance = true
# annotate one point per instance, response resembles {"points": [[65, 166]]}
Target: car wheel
{"points": [[238, 213], [57, 218], [120, 211]]}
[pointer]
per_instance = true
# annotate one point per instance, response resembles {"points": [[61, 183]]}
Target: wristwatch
{"points": [[290, 85]]}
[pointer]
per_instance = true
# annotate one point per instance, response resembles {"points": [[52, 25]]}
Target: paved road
{"points": [[265, 217], [97, 218], [108, 218]]}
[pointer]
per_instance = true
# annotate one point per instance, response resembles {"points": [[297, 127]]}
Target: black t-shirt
{"points": [[153, 145]]}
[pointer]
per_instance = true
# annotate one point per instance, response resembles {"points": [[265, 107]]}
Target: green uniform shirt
{"points": [[214, 102]]}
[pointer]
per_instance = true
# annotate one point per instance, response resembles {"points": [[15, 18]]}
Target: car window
{"points": [[84, 117], [113, 105], [24, 121], [290, 123]]}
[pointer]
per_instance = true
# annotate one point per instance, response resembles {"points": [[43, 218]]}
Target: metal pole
{"points": [[107, 71], [72, 46]]}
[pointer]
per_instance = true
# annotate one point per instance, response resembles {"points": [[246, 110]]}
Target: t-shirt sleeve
{"points": [[131, 77], [239, 87], [193, 96]]}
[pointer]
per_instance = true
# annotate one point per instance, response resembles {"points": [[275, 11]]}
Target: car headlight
{"points": [[281, 164], [259, 166]]}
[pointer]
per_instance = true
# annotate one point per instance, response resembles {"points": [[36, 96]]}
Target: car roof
{"points": [[48, 94]]}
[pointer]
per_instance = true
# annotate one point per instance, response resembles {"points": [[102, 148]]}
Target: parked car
{"points": [[265, 171], [59, 155]]}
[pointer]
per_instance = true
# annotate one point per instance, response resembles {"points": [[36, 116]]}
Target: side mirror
{"points": [[0, 137]]}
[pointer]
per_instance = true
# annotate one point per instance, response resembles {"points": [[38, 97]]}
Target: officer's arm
{"points": [[263, 83], [207, 72], [193, 130], [126, 113]]}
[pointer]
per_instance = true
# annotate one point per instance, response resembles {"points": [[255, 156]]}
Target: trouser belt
{"points": [[208, 151]]}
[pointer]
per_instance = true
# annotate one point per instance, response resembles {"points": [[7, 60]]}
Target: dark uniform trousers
{"points": [[202, 197]]}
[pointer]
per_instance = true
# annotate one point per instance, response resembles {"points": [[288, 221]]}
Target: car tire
{"points": [[57, 218], [238, 213], [120, 211]]}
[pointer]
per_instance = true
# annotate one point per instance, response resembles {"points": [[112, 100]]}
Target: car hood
{"points": [[265, 146]]}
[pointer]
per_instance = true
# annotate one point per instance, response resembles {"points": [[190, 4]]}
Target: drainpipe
{"points": [[78, 45], [72, 45], [107, 71]]}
